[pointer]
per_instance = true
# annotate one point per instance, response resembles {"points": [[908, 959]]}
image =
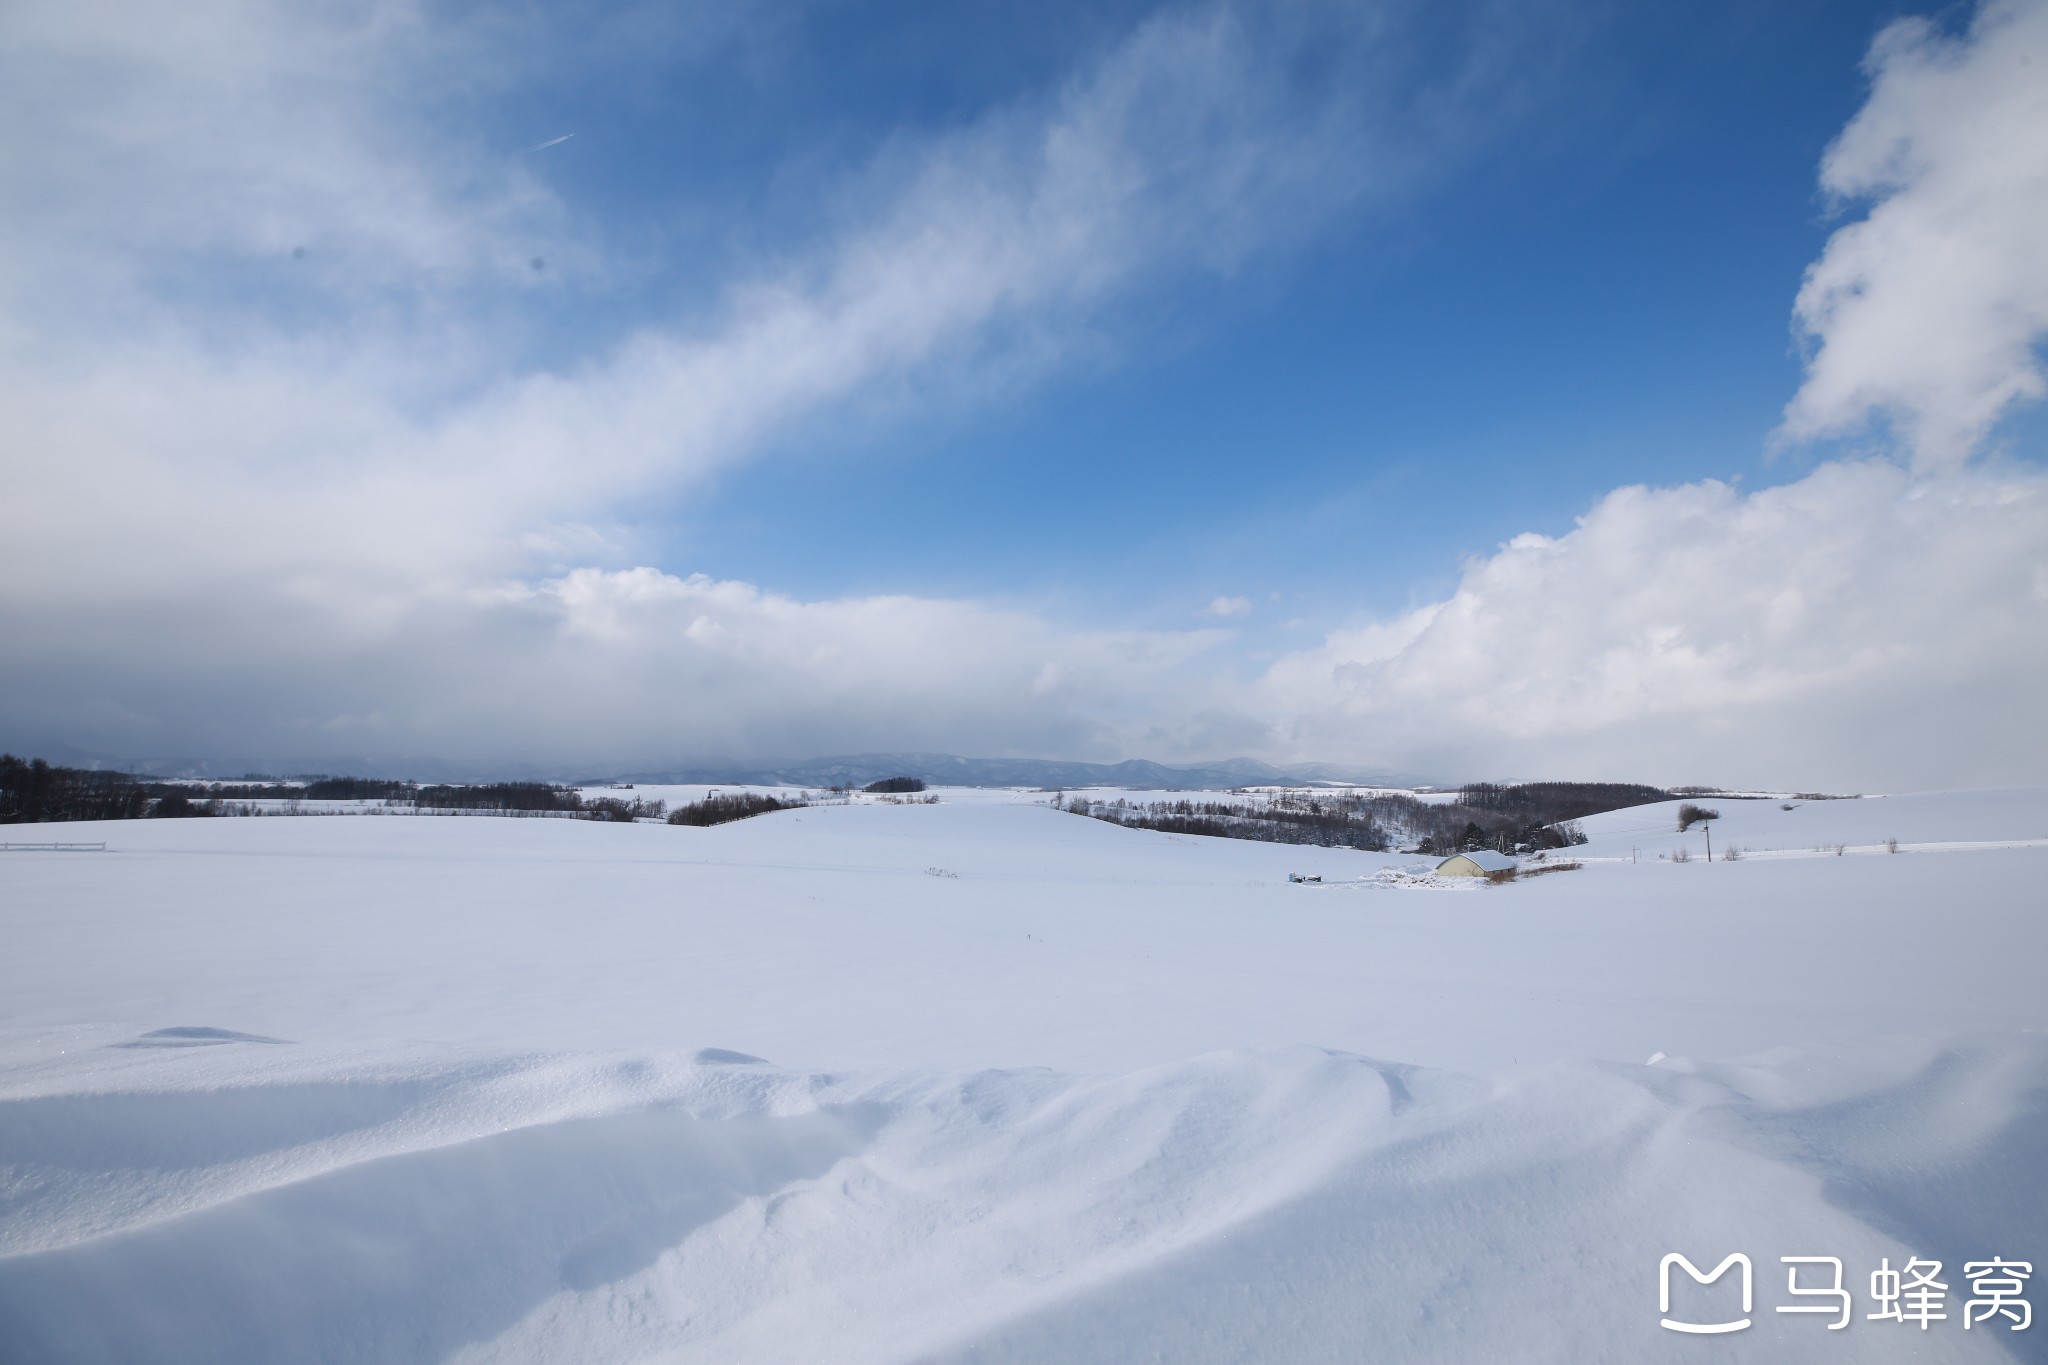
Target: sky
{"points": [[1555, 389]]}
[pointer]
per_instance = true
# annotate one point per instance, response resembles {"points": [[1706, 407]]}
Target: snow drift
{"points": [[335, 1089]]}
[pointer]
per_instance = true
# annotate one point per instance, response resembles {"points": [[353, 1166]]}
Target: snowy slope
{"points": [[1932, 821], [480, 1089]]}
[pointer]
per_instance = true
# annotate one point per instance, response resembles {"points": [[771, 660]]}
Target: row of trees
{"points": [[32, 791], [1521, 817], [1534, 805], [504, 796], [719, 810], [1512, 818], [622, 810], [1273, 824], [309, 788]]}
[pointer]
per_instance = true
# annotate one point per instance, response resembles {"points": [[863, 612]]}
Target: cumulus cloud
{"points": [[1862, 627], [1859, 626], [1866, 625], [1230, 607], [629, 668], [1930, 309]]}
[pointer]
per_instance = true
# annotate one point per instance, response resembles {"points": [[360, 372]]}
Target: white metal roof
{"points": [[1486, 859]]}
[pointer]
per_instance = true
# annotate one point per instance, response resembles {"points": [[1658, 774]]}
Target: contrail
{"points": [[542, 146]]}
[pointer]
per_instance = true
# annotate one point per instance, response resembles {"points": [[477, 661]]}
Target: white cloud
{"points": [[155, 145], [178, 413], [630, 668], [243, 485], [1930, 309], [233, 528], [763, 671], [1860, 626]]}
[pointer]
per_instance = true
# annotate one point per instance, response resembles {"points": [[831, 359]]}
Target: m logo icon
{"points": [[1702, 1328]]}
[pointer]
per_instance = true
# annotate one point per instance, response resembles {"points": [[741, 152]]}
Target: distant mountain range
{"points": [[848, 769], [951, 770]]}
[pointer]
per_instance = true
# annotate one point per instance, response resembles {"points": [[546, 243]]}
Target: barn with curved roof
{"points": [[1482, 862]]}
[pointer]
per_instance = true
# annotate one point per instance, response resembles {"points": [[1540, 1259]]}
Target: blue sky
{"points": [[1538, 388], [1591, 294], [1596, 297]]}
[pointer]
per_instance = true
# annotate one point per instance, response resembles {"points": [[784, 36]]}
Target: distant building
{"points": [[1480, 863]]}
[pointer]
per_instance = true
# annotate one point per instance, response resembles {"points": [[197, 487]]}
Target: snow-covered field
{"points": [[1036, 1088]]}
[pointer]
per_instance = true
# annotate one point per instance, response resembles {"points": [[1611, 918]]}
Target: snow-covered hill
{"points": [[1926, 821], [1037, 1088]]}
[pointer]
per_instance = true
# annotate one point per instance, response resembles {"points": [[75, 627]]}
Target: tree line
{"points": [[1325, 825], [719, 810], [1510, 818], [34, 791]]}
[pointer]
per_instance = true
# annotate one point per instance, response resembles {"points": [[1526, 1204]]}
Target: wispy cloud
{"points": [[282, 408], [265, 326], [175, 151]]}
